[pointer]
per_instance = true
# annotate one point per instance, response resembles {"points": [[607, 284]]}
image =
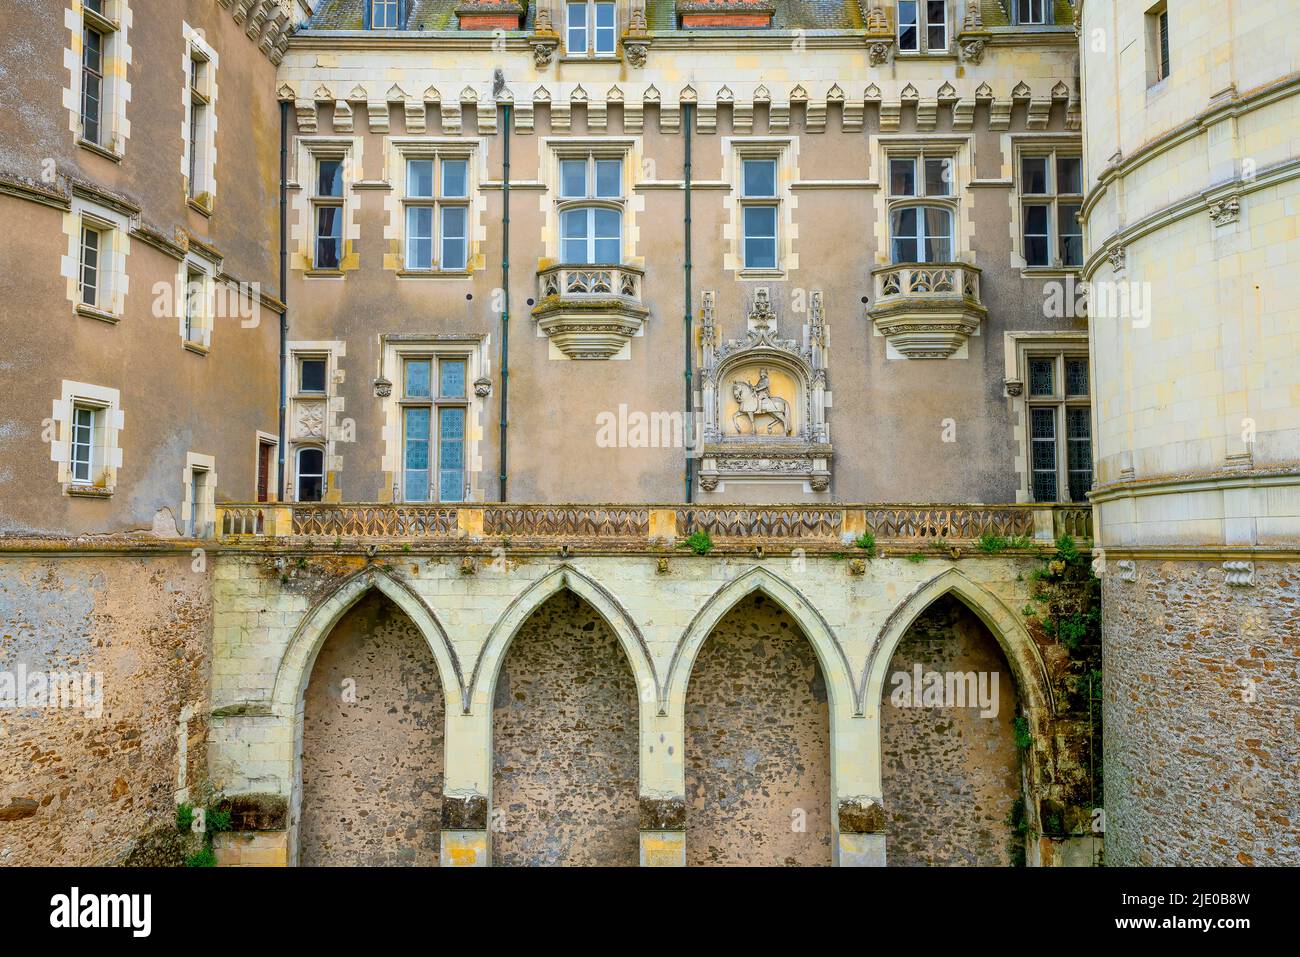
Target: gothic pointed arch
{"points": [[484, 676], [300, 654], [830, 654]]}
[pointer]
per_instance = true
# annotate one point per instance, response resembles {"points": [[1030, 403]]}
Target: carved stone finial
{"points": [[974, 17], [543, 21], [638, 22], [877, 20], [761, 315]]}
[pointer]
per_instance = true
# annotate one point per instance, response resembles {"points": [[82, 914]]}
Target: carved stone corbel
{"points": [[636, 41], [880, 38], [544, 40]]}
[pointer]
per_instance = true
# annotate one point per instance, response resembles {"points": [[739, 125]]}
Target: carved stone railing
{"points": [[633, 527], [763, 522], [574, 520], [590, 312], [927, 310]]}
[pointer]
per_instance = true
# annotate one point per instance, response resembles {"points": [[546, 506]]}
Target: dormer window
{"points": [[923, 26], [589, 29], [385, 14], [1033, 12]]}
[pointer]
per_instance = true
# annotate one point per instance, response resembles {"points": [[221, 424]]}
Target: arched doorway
{"points": [[372, 743], [950, 767], [565, 743], [757, 743]]}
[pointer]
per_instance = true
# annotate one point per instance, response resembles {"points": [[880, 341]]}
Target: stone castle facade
{"points": [[455, 435]]}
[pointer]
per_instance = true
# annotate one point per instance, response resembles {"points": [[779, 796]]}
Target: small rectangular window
{"points": [[310, 474], [1042, 377], [1032, 12], [1076, 377], [195, 294], [416, 374], [1078, 433], [454, 241], [605, 38], [938, 176], [311, 375], [760, 237], [1159, 65], [455, 179], [1053, 185], [609, 179], [1038, 238], [1043, 425], [936, 25], [329, 182], [419, 178], [329, 214], [902, 176]]}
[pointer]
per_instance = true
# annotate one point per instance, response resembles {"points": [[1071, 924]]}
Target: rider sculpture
{"points": [[755, 399]]}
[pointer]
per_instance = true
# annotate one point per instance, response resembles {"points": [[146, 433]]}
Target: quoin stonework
{"points": [[541, 433]]}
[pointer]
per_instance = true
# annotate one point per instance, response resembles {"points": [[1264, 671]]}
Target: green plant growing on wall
{"points": [[992, 544], [916, 558], [698, 542], [867, 542], [1018, 821], [1024, 738], [215, 819]]}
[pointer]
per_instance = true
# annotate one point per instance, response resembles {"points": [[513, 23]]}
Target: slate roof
{"points": [[435, 15]]}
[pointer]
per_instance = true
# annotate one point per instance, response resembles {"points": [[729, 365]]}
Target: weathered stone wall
{"points": [[757, 744], [80, 789], [950, 775], [373, 729], [1201, 715], [564, 743]]}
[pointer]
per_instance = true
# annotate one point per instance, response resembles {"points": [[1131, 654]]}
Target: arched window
{"points": [[310, 474], [921, 234]]}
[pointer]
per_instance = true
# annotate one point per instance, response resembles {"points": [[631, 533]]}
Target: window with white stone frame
{"points": [[436, 180], [591, 201], [760, 170], [922, 201], [199, 121], [87, 419], [196, 303], [1051, 195], [99, 88], [95, 264], [309, 474], [1059, 423], [198, 506], [922, 26], [590, 29], [433, 390]]}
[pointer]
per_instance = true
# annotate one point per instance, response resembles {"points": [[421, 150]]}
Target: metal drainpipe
{"points": [[686, 302], [505, 286], [280, 477]]}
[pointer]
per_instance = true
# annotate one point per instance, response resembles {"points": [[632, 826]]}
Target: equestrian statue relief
{"points": [[754, 400]]}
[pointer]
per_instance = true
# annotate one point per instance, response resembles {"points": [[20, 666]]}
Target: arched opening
{"points": [[565, 743], [372, 743], [758, 779], [950, 767]]}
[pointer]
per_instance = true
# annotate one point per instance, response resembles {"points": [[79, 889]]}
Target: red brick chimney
{"points": [[727, 14], [490, 14]]}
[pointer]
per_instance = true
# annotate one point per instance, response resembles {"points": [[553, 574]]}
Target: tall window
{"points": [[265, 468], [760, 210], [327, 203], [919, 232], [310, 474], [1060, 427], [591, 210], [1051, 189], [91, 275], [437, 214], [922, 26], [196, 299], [86, 427], [384, 14], [434, 404], [590, 29], [200, 108], [1030, 12], [92, 84], [198, 492], [1158, 43]]}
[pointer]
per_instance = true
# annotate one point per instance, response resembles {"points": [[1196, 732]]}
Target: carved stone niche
{"points": [[764, 400]]}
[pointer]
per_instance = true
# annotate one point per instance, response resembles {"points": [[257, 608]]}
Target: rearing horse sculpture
{"points": [[751, 405]]}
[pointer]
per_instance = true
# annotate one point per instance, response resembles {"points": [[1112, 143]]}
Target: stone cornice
{"points": [[1188, 206], [1278, 477]]}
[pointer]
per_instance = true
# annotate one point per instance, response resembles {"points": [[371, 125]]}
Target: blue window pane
{"points": [[609, 179], [419, 237], [760, 237], [451, 378], [573, 179], [573, 224], [454, 244], [417, 380], [759, 178], [455, 178], [609, 225], [415, 486], [419, 178]]}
